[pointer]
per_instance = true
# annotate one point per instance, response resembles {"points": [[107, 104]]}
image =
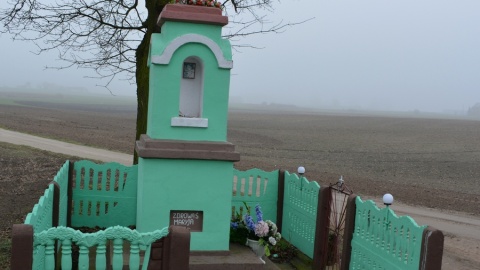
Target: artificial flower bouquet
{"points": [[207, 3], [263, 231]]}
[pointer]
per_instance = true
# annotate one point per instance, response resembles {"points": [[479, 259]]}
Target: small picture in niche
{"points": [[189, 70]]}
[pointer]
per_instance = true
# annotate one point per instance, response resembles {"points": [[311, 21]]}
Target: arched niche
{"points": [[191, 94], [191, 88]]}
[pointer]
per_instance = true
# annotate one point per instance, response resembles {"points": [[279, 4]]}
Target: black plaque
{"points": [[191, 219]]}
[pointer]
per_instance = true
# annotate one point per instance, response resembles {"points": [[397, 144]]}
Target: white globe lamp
{"points": [[387, 199], [301, 170]]}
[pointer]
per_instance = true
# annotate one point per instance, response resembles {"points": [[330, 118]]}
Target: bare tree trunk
{"points": [[154, 8]]}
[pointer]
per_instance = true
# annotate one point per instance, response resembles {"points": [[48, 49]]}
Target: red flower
{"points": [[208, 3]]}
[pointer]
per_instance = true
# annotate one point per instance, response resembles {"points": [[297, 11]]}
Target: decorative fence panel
{"points": [[41, 216], [41, 219], [104, 195], [256, 187], [62, 179], [381, 240], [300, 212], [67, 236]]}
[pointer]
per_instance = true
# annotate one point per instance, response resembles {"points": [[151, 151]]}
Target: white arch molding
{"points": [[166, 56]]}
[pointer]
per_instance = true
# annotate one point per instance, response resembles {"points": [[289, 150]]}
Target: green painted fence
{"points": [[41, 219], [41, 216], [255, 187], [62, 179], [104, 195], [299, 206], [381, 240], [300, 212], [137, 241]]}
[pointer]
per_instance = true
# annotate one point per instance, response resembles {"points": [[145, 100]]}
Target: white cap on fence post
{"points": [[301, 170], [387, 199]]}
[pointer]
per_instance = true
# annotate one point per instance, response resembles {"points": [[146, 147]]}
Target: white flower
{"points": [[273, 226], [272, 241]]}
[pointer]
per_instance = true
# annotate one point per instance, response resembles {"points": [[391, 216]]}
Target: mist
{"points": [[349, 55]]}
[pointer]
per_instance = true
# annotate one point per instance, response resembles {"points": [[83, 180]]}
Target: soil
{"points": [[25, 174], [430, 163]]}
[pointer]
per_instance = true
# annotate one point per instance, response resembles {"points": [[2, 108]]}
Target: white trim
{"points": [[167, 54], [189, 122]]}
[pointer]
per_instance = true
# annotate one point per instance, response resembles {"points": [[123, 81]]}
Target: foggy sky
{"points": [[372, 54]]}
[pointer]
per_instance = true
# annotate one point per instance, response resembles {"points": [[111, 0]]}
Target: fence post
{"points": [[55, 211], [280, 199], [56, 203], [432, 249], [348, 231], [22, 247], [156, 255], [171, 252], [320, 248], [71, 177], [179, 248]]}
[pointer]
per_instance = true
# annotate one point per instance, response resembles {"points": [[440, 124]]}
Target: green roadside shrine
{"points": [[185, 177], [185, 166]]}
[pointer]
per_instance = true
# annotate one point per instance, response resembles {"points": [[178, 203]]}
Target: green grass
{"points": [[5, 246], [23, 151], [87, 99], [12, 96], [4, 101], [16, 151]]}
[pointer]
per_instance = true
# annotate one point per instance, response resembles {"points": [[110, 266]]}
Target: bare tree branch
{"points": [[245, 28], [103, 35]]}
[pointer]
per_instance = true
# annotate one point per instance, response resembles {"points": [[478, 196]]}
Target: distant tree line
{"points": [[474, 110]]}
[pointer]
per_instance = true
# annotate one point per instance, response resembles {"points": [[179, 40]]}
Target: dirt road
{"points": [[64, 148], [462, 231]]}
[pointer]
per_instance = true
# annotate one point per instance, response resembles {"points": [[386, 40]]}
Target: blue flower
{"points": [[249, 223], [234, 225], [259, 213]]}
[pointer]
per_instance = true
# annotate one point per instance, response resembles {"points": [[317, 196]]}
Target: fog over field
{"points": [[413, 56]]}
